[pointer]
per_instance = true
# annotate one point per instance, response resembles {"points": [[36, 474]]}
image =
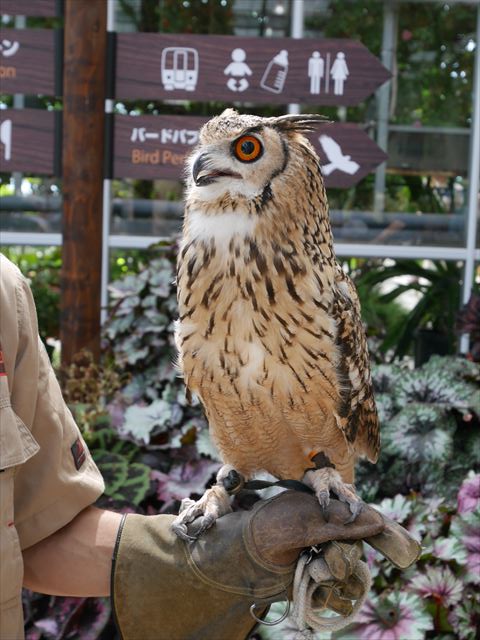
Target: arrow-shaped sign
{"points": [[346, 152], [27, 140], [44, 8], [232, 68], [152, 147], [27, 61]]}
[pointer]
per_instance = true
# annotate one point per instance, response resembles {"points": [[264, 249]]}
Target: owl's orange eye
{"points": [[247, 148]]}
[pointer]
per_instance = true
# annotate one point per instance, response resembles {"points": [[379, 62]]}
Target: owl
{"points": [[269, 334]]}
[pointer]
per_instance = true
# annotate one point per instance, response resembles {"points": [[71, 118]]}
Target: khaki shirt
{"points": [[47, 475]]}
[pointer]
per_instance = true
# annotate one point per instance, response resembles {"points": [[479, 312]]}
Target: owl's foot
{"points": [[322, 481], [203, 513]]}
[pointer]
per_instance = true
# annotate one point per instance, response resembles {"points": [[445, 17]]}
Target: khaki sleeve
{"points": [[58, 481]]}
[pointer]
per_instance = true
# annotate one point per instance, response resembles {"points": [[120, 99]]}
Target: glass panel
{"points": [[30, 204]]}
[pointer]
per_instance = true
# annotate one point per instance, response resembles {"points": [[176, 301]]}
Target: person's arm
{"points": [[77, 559]]}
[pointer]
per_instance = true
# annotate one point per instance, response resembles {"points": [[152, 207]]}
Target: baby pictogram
{"points": [[237, 70]]}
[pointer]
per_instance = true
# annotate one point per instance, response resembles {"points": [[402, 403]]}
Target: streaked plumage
{"points": [[269, 335]]}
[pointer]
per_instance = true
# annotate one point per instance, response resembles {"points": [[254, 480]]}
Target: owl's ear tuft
{"points": [[229, 113], [300, 122]]}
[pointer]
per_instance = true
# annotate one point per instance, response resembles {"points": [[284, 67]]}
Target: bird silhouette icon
{"points": [[337, 160]]}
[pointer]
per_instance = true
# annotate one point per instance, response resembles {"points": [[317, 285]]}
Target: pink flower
{"points": [[466, 530], [469, 493], [439, 584], [396, 617], [183, 480], [465, 618]]}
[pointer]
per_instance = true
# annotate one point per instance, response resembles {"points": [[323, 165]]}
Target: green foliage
{"points": [[126, 483], [434, 57], [139, 331], [42, 268], [429, 426], [380, 318], [438, 284], [87, 387], [171, 16], [126, 261]]}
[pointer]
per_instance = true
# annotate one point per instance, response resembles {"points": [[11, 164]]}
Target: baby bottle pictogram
{"points": [[275, 74]]}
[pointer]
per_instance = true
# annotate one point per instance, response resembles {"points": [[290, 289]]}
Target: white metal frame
{"points": [[107, 199], [474, 175]]}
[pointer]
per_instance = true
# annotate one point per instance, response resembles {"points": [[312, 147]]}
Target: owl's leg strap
{"points": [[234, 482]]}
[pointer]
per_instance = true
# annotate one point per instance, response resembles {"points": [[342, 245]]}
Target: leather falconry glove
{"points": [[219, 585]]}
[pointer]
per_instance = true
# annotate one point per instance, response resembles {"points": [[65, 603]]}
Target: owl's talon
{"points": [[201, 524], [202, 514], [324, 500], [326, 480], [181, 531], [185, 504], [356, 507]]}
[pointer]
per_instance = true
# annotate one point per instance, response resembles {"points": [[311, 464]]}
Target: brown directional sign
{"points": [[232, 68], [41, 8], [27, 61], [27, 141], [152, 147]]}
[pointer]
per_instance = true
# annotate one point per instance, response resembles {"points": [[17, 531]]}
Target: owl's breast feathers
{"points": [[270, 339]]}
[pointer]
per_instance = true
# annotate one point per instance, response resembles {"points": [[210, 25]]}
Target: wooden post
{"points": [[83, 151]]}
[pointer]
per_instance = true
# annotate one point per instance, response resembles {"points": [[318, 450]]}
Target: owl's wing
{"points": [[358, 411]]}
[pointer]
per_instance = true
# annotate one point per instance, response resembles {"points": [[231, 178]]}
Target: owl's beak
{"points": [[203, 173]]}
